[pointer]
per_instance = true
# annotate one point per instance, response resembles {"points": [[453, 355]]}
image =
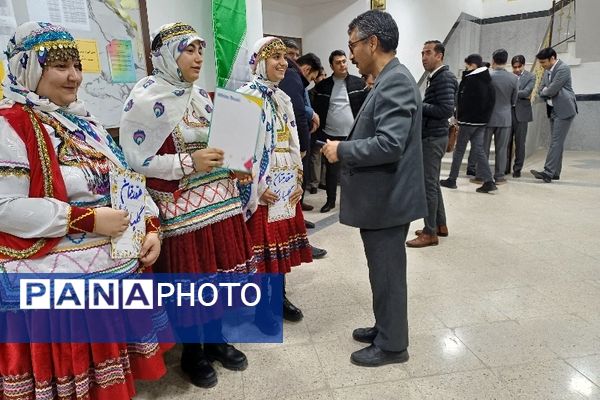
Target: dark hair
{"points": [[336, 53], [474, 59], [311, 60], [377, 23], [290, 44], [438, 48], [500, 56], [518, 59], [546, 54], [486, 64]]}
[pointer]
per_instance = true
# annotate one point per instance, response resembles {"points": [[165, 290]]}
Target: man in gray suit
{"points": [[561, 107], [382, 181], [521, 113], [499, 125]]}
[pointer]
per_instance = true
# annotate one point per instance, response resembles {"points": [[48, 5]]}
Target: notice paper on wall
{"points": [[72, 14], [120, 59], [88, 53]]}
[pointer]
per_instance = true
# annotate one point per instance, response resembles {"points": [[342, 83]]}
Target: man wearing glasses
{"points": [[382, 181]]}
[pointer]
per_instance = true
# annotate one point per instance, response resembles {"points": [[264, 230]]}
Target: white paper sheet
{"points": [[234, 128], [72, 14], [8, 23], [127, 193], [284, 182]]}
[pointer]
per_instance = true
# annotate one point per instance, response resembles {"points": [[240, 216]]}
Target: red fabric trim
{"points": [[152, 224], [82, 220], [20, 120]]}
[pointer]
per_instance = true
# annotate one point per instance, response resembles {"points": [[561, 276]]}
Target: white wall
{"points": [[497, 8], [282, 19], [196, 13], [326, 28], [419, 21]]}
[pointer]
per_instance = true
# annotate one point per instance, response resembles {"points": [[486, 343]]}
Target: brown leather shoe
{"points": [[442, 230], [307, 207], [423, 240]]}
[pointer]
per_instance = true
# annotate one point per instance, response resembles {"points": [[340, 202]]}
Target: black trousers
{"points": [[332, 173]]}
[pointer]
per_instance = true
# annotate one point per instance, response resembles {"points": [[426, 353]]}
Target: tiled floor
{"points": [[506, 307]]}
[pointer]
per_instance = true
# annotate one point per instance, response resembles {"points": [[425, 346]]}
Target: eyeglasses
{"points": [[352, 45]]}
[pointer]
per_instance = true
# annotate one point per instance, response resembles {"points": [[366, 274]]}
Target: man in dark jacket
{"points": [[337, 101], [294, 84], [438, 106], [474, 107]]}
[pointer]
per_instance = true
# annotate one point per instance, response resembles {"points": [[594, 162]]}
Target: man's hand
{"points": [[315, 123], [329, 150]]}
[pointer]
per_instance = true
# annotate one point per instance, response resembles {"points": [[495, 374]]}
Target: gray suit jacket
{"points": [[523, 111], [557, 86], [382, 162], [505, 87]]}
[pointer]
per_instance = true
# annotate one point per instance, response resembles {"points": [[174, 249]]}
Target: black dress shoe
{"points": [[471, 172], [517, 174], [328, 207], [291, 312], [230, 357], [323, 187], [373, 356], [541, 175], [313, 190], [449, 183], [556, 177], [309, 225], [197, 367], [487, 187], [318, 253], [365, 335]]}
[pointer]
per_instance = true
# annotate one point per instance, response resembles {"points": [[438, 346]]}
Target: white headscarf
{"points": [[27, 51], [276, 103], [157, 103]]}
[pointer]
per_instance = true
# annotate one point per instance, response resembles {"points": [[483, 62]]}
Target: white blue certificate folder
{"points": [[234, 128]]}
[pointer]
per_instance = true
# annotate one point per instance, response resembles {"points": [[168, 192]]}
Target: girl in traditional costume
{"points": [[164, 134], [282, 243], [56, 217]]}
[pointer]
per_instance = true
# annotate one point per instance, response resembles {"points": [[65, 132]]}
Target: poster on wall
{"points": [[8, 23], [120, 56], [72, 14]]}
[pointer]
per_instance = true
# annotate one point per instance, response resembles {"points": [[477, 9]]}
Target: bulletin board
{"points": [[113, 43]]}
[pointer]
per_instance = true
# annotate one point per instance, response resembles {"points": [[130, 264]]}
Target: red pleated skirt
{"points": [[77, 370], [279, 246], [224, 246]]}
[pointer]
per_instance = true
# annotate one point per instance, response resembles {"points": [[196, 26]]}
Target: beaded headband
{"points": [[174, 30], [49, 38], [273, 47]]}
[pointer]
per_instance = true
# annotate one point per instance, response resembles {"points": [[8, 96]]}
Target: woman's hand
{"points": [[244, 178], [110, 222], [269, 197], [296, 196], [207, 159], [150, 249]]}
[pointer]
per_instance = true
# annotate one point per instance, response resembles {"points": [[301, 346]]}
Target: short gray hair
{"points": [[380, 24]]}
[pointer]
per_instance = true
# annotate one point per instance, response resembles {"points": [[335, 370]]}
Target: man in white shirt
{"points": [[337, 100]]}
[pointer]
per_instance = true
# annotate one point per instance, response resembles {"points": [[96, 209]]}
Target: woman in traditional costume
{"points": [[164, 134], [282, 243], [56, 217]]}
